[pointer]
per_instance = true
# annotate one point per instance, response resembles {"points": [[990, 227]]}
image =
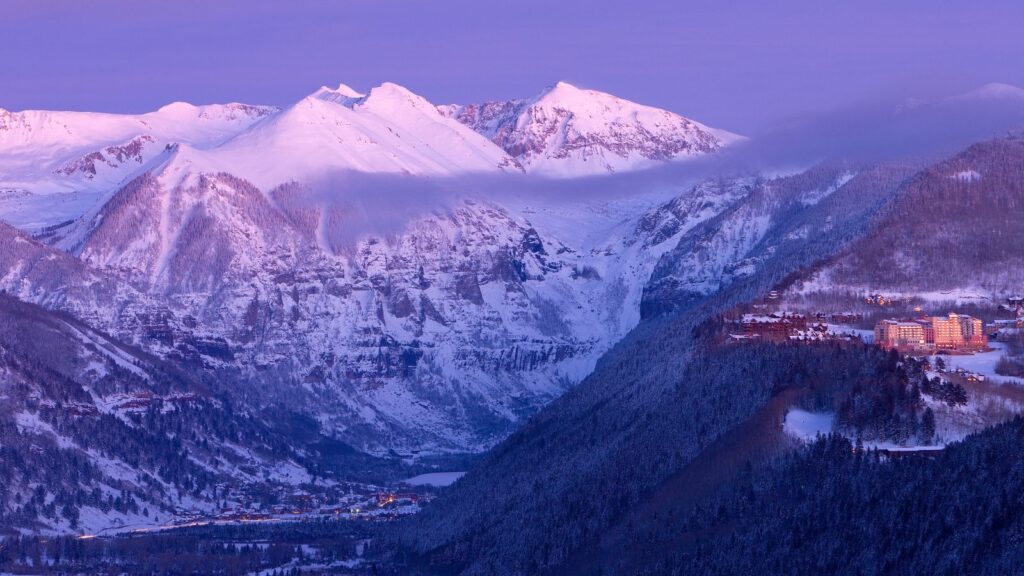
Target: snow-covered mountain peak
{"points": [[177, 108], [560, 89], [176, 163], [569, 131], [225, 116], [392, 90], [390, 130], [346, 90], [565, 94], [390, 98], [994, 91], [384, 100], [342, 94]]}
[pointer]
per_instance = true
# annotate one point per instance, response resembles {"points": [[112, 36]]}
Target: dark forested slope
{"points": [[957, 224], [553, 488], [831, 509]]}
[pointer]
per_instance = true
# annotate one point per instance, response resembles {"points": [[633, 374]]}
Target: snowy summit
{"points": [[569, 131]]}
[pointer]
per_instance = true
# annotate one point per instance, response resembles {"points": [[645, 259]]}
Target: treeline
{"points": [[831, 509], [890, 405]]}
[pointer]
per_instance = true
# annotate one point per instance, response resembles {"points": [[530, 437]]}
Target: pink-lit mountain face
{"points": [[567, 131], [55, 165]]}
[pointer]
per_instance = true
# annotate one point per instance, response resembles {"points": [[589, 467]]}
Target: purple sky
{"points": [[741, 66]]}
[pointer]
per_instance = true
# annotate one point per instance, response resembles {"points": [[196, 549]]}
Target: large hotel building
{"points": [[955, 331]]}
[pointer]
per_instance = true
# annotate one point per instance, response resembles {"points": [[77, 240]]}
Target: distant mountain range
{"points": [[54, 165]]}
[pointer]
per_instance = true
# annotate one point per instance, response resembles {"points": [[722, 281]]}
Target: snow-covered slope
{"points": [[55, 165], [980, 189], [568, 131], [389, 130], [994, 91], [776, 224], [438, 337]]}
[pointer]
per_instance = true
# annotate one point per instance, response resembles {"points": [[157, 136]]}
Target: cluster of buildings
{"points": [[930, 333], [344, 502], [778, 326], [795, 326], [385, 498], [1016, 304], [879, 300], [772, 325]]}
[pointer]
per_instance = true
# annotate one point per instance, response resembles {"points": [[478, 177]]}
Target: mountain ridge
{"points": [[55, 166], [569, 131]]}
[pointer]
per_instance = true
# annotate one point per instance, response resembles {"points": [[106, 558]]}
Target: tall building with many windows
{"points": [[954, 331], [973, 331], [895, 334], [947, 331]]}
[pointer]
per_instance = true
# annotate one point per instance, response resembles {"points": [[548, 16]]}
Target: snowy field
{"points": [[434, 479], [807, 426], [983, 363], [866, 336]]}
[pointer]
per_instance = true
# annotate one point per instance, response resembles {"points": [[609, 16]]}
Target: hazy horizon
{"points": [[740, 67]]}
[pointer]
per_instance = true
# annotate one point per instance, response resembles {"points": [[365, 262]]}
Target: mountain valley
{"points": [[297, 308]]}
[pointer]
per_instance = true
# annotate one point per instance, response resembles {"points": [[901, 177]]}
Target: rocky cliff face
{"points": [[780, 223], [438, 338]]}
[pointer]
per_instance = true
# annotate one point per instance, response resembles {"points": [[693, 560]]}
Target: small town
{"points": [[343, 502]]}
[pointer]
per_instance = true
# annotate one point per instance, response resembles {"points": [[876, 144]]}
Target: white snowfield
{"points": [[808, 426], [983, 363], [434, 479]]}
